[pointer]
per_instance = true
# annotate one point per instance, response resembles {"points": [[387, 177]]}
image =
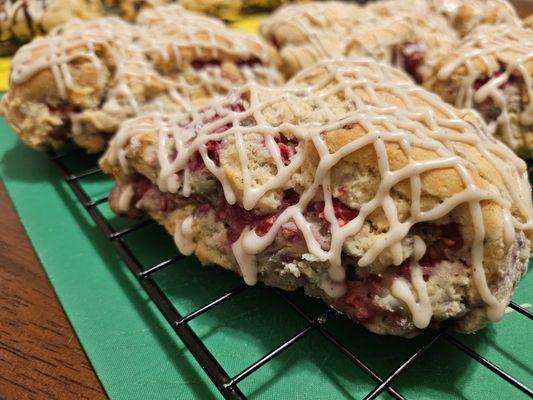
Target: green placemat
{"points": [[136, 355]]}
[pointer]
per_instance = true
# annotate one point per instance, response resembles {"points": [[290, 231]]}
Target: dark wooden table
{"points": [[40, 356]]}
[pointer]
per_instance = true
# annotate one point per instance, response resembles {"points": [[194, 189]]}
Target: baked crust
{"points": [[491, 71], [113, 70], [343, 129]]}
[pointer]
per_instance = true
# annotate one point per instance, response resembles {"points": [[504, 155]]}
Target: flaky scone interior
{"points": [[349, 181], [83, 79], [492, 72]]}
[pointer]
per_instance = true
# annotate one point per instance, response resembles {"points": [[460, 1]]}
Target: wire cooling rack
{"points": [[226, 384]]}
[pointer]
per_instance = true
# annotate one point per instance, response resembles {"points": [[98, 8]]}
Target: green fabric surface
{"points": [[136, 356]]}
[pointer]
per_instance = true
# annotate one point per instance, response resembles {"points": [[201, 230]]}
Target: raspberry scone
{"points": [[22, 20], [409, 35], [307, 33], [81, 81], [492, 71], [465, 15], [351, 182]]}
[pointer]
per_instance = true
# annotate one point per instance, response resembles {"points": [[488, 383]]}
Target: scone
{"points": [[465, 15], [351, 182], [406, 34], [306, 33], [492, 72], [80, 82], [22, 20]]}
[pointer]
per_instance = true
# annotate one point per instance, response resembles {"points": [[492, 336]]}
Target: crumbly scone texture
{"points": [[22, 20], [492, 71], [410, 34], [466, 15], [83, 79], [349, 153]]}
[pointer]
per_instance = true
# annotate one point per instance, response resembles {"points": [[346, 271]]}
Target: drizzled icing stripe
{"points": [[495, 53], [345, 93]]}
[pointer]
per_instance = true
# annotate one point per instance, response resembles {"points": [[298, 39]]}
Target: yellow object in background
{"points": [[5, 62], [248, 23]]}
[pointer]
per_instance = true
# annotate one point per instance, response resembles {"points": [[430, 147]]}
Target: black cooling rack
{"points": [[226, 384]]}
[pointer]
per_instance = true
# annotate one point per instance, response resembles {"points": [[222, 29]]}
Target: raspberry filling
{"points": [[410, 57], [343, 213], [358, 298], [237, 219], [287, 148]]}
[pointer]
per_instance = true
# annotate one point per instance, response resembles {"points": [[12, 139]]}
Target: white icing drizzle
{"points": [[124, 200], [245, 260], [183, 235], [483, 53], [417, 302], [346, 92]]}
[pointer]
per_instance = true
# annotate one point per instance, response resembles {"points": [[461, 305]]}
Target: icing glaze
{"points": [[183, 235], [422, 121]]}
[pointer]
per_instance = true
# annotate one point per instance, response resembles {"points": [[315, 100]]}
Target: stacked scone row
{"points": [[83, 79], [349, 181]]}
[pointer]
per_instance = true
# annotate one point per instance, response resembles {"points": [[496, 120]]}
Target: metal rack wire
{"points": [[228, 385]]}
